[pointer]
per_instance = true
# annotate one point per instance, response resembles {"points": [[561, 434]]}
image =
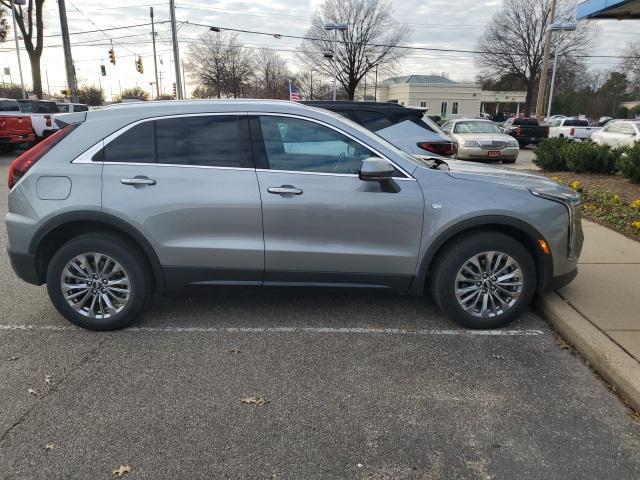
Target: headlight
{"points": [[571, 201], [513, 143], [470, 143]]}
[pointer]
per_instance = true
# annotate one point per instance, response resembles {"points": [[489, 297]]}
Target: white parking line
{"points": [[321, 330]]}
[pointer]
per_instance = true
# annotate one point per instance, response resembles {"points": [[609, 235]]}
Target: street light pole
{"points": [[155, 59], [311, 84], [15, 36], [335, 27], [557, 27]]}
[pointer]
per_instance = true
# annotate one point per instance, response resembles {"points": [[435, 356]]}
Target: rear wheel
{"points": [[484, 280], [98, 282], [8, 148]]}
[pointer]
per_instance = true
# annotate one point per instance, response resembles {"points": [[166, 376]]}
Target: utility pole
{"points": [[68, 61], [15, 36], [155, 60], [176, 52], [545, 63]]}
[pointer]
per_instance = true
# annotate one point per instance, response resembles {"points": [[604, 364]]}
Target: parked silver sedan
{"points": [[479, 139]]}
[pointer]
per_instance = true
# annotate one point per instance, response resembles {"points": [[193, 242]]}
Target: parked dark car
{"points": [[526, 130], [378, 116]]}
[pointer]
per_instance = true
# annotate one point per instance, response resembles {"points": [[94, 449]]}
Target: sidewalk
{"points": [[599, 312]]}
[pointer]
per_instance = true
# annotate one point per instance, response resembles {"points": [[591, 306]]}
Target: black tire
{"points": [[122, 251], [451, 260], [8, 148]]}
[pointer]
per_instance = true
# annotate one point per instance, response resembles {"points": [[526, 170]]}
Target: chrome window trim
{"points": [[86, 157]]}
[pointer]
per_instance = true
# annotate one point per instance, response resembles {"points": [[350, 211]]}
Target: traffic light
{"points": [[112, 56], [174, 91], [139, 66], [103, 70]]}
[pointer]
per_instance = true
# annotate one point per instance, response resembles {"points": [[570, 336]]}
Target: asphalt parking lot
{"points": [[359, 384]]}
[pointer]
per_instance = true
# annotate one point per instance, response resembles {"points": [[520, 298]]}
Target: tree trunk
{"points": [[532, 84], [36, 73]]}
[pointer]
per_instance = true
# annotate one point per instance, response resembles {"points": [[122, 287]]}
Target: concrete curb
{"points": [[604, 355]]}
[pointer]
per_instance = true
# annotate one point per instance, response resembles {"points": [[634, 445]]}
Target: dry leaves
{"points": [[254, 401], [47, 379], [497, 357], [123, 470], [14, 358], [33, 391], [235, 351], [50, 446]]}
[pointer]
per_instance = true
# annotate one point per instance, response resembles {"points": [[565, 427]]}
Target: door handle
{"points": [[285, 190], [138, 181]]}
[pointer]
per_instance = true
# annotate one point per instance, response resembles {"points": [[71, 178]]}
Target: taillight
{"points": [[518, 131], [28, 159], [572, 132], [47, 119], [446, 149]]}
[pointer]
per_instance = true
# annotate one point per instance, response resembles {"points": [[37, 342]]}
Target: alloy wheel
{"points": [[489, 284], [95, 285]]}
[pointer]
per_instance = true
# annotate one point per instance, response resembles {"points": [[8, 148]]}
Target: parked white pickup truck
{"points": [[40, 111], [573, 129]]}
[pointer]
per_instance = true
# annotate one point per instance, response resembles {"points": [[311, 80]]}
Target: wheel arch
{"points": [[519, 230], [58, 230]]}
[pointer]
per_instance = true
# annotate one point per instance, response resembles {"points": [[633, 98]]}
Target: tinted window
{"points": [[373, 121], [202, 140], [525, 121], [300, 145], [64, 107], [135, 145], [36, 106], [9, 106], [80, 108], [576, 123]]}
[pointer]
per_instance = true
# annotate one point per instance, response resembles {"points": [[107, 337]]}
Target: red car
{"points": [[15, 130]]}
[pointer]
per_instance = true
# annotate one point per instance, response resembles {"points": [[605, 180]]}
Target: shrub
{"points": [[590, 157], [550, 154], [629, 164]]}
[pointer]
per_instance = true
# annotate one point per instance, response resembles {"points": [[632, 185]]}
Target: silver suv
{"points": [[146, 197]]}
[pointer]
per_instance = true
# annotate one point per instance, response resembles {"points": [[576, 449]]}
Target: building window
{"points": [[423, 104], [454, 108], [443, 109]]}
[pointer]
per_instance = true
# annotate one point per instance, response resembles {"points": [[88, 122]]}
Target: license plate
{"points": [[493, 155]]}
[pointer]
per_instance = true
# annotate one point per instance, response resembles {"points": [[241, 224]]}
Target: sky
{"points": [[436, 23]]}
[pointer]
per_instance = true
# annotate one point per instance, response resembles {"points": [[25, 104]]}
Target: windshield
{"points": [[476, 127], [9, 106], [34, 106]]}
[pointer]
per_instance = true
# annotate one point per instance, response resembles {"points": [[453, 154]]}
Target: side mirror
{"points": [[376, 169]]}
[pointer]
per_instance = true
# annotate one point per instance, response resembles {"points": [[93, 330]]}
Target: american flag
{"points": [[294, 95]]}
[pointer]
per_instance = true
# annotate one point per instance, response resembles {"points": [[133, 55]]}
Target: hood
{"points": [[517, 179], [499, 140]]}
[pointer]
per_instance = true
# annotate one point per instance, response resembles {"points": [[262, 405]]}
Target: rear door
{"points": [[189, 185], [322, 224]]}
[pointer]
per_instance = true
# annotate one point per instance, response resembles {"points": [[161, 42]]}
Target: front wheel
{"points": [[98, 282], [484, 280]]}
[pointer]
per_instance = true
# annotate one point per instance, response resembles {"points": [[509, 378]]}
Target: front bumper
{"points": [[555, 283], [477, 153], [25, 267]]}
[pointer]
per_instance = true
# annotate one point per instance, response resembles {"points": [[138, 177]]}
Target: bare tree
{"points": [[4, 25], [319, 90], [631, 65], [272, 75], [91, 95], [513, 41], [372, 38], [220, 65], [30, 22]]}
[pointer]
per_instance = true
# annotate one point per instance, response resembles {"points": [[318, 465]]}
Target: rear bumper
{"points": [[17, 138], [476, 153], [25, 267]]}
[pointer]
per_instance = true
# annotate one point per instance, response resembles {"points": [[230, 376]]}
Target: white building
{"points": [[444, 97]]}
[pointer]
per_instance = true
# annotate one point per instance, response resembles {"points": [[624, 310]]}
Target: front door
{"points": [[324, 225], [189, 185]]}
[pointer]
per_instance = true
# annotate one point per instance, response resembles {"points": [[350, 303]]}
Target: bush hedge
{"points": [[559, 154]]}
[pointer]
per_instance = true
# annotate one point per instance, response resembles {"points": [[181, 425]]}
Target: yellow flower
{"points": [[636, 224], [575, 184], [636, 203], [616, 199]]}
